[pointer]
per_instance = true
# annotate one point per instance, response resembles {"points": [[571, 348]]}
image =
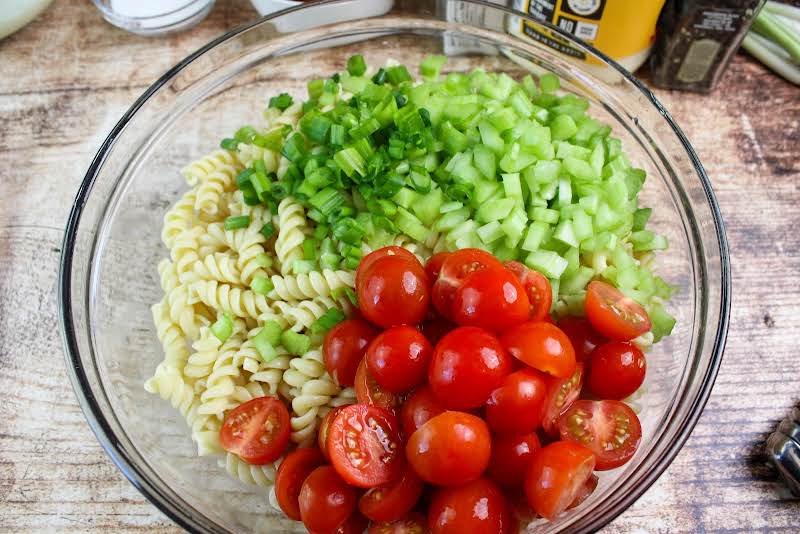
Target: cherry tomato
{"points": [[368, 391], [561, 393], [398, 358], [413, 523], [613, 314], [418, 409], [355, 524], [293, 471], [492, 299], [455, 268], [436, 328], [434, 265], [365, 447], [511, 455], [257, 431], [537, 287], [393, 500], [478, 506], [322, 433], [584, 338], [616, 370], [541, 345], [451, 449], [467, 365], [393, 291], [556, 476], [370, 258], [326, 501], [517, 406], [344, 347], [585, 492], [608, 428]]}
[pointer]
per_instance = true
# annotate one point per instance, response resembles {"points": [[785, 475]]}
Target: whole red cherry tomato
{"points": [[367, 260], [434, 265], [492, 299], [326, 501], [518, 405], [394, 500], [511, 455], [293, 471], [616, 370], [344, 347], [584, 338], [478, 506], [394, 291], [418, 409], [398, 358]]}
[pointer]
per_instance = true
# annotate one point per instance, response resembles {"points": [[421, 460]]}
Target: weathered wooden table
{"points": [[68, 77]]}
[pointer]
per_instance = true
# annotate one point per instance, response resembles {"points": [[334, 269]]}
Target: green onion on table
{"points": [[774, 39]]}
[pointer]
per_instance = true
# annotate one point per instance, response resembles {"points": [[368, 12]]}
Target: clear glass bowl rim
{"points": [[97, 419]]}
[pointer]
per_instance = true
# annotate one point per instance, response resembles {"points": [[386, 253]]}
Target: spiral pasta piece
{"points": [[184, 250], [179, 218], [292, 226], [310, 285], [219, 160], [252, 475], [219, 266], [301, 315], [313, 389], [173, 340], [212, 188], [249, 154], [224, 297]]}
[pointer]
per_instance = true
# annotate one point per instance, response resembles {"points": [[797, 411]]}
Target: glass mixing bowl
{"points": [[112, 244]]}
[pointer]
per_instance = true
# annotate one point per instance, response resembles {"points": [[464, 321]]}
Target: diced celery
{"points": [[537, 233], [490, 232], [597, 159], [580, 169], [577, 280], [406, 197], [530, 86], [428, 206], [564, 192], [627, 278], [565, 233], [658, 242], [521, 104], [640, 218], [496, 209], [484, 190], [662, 322], [491, 137], [498, 89], [513, 187], [545, 215], [410, 225], [505, 253], [450, 206], [573, 257], [548, 191], [484, 160], [503, 119], [549, 83], [590, 204], [451, 219], [563, 127], [568, 150], [514, 227], [582, 225], [546, 262], [616, 192], [546, 171], [634, 178]]}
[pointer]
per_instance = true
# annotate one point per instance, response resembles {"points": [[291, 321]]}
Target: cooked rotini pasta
{"points": [[310, 285], [292, 227]]}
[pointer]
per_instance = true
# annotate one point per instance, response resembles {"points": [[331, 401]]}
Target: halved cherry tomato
{"points": [[556, 476], [398, 358], [492, 299], [434, 265], [322, 433], [365, 447], [436, 328], [418, 409], [413, 523], [455, 268], [613, 314], [344, 347], [608, 428], [355, 524], [452, 448], [467, 365], [537, 287], [586, 492], [584, 338], [293, 471], [478, 506], [368, 391], [393, 500], [257, 431], [541, 345], [326, 501], [561, 393], [517, 406], [370, 258], [393, 291], [511, 455], [616, 370]]}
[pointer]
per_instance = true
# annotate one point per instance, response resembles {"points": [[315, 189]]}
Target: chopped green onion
{"points": [[351, 296], [229, 143], [310, 249], [380, 77], [267, 230], [328, 320], [282, 101], [432, 65], [236, 222], [222, 327], [356, 65]]}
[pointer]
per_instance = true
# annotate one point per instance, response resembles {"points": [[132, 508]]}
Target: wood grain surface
{"points": [[68, 77]]}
